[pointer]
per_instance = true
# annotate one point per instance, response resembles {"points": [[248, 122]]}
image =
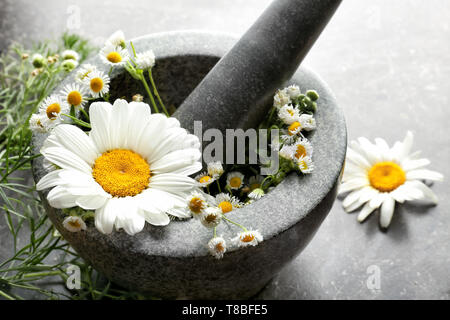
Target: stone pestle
{"points": [[237, 92]]}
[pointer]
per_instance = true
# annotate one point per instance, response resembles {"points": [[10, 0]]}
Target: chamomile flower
{"points": [[98, 83], [256, 194], [52, 107], [294, 128], [288, 114], [204, 179], [74, 224], [211, 217], [226, 203], [254, 182], [248, 238], [217, 247], [281, 99], [293, 91], [215, 169], [75, 95], [145, 60], [302, 148], [38, 61], [133, 167], [235, 180], [196, 203], [114, 56], [307, 122], [84, 71], [37, 121], [378, 176], [69, 65], [70, 54], [286, 152], [305, 164], [117, 39]]}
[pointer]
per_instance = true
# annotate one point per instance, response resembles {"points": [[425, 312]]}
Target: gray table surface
{"points": [[389, 66]]}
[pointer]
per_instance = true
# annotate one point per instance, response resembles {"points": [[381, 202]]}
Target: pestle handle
{"points": [[237, 92]]}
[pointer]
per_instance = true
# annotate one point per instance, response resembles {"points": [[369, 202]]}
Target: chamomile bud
{"points": [[69, 65], [38, 61]]}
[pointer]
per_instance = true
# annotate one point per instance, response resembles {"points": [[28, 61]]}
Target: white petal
{"points": [[139, 116], [358, 159], [128, 216], [59, 198], [428, 194], [424, 174], [175, 161], [387, 211], [152, 135], [405, 149], [180, 213], [377, 200], [353, 184], [168, 143], [411, 164], [172, 182], [118, 126], [49, 180], [157, 218], [65, 159], [194, 168], [370, 150], [99, 114], [91, 202], [365, 212], [105, 217], [77, 141]]}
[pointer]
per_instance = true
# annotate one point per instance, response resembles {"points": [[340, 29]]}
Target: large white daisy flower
{"points": [[132, 167], [378, 176]]}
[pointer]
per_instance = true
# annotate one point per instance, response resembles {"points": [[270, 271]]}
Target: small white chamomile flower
{"points": [[83, 72], [302, 148], [114, 56], [294, 128], [117, 39], [204, 179], [248, 238], [256, 194], [52, 107], [211, 217], [145, 60], [70, 54], [196, 203], [75, 94], [215, 169], [286, 152], [288, 114], [281, 99], [98, 83], [235, 180], [254, 182], [217, 247], [226, 203], [74, 224], [307, 122], [37, 123], [305, 164], [293, 91]]}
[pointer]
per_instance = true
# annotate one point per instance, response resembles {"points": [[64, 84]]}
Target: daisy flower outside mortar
{"points": [[75, 95], [74, 224], [83, 72], [378, 176], [133, 167], [145, 60], [70, 55], [117, 39], [51, 109]]}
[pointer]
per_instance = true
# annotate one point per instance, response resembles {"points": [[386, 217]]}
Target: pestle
{"points": [[237, 92]]}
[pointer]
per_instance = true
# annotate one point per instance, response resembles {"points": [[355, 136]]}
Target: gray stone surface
{"points": [[388, 64], [173, 261]]}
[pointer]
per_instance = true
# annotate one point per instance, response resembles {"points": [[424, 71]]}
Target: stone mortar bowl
{"points": [[173, 261]]}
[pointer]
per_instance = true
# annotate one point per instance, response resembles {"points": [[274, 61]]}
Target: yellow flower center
{"points": [[96, 84], [74, 98], [248, 238], [226, 206], [196, 205], [235, 182], [114, 57], [210, 218], [52, 110], [204, 179], [386, 176], [300, 152], [121, 172], [293, 127], [219, 247], [75, 223]]}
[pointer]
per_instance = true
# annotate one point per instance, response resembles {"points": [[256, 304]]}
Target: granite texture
{"points": [[173, 261], [388, 62]]}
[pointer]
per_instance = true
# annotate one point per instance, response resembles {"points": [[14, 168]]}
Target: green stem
{"points": [[215, 232], [156, 92], [235, 223], [218, 186], [77, 121], [144, 82], [85, 113]]}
